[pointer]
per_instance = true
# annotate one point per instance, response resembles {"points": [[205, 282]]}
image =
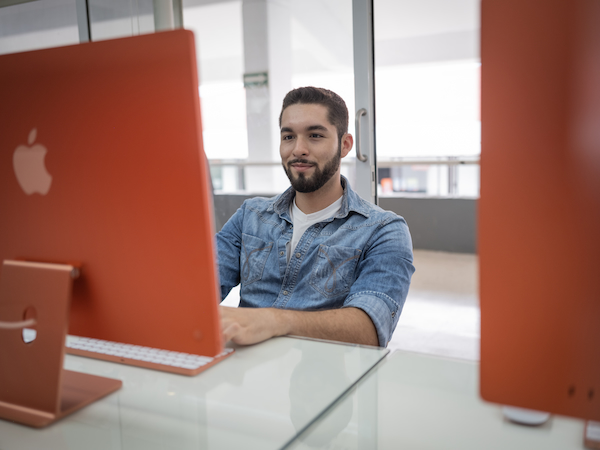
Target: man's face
{"points": [[309, 148]]}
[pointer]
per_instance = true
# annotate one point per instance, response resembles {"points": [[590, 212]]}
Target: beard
{"points": [[317, 180]]}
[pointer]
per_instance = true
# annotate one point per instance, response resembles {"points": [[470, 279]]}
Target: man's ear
{"points": [[347, 143]]}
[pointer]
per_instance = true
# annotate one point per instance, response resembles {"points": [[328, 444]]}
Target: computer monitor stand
{"points": [[35, 390]]}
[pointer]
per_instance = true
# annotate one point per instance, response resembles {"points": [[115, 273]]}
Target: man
{"points": [[317, 260]]}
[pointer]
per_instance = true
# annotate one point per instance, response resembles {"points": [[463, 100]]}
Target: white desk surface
{"points": [[259, 398], [415, 401]]}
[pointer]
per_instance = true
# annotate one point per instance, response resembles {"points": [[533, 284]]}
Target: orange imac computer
{"points": [[539, 223], [102, 170]]}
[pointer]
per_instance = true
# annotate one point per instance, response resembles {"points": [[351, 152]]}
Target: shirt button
{"points": [[285, 292], [281, 253], [298, 255]]}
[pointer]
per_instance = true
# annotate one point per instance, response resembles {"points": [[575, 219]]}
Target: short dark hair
{"points": [[337, 112]]}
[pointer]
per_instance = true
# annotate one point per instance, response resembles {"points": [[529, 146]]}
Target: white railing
{"points": [[450, 178]]}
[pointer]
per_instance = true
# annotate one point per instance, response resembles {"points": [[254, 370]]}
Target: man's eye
{"points": [[286, 138], [315, 135]]}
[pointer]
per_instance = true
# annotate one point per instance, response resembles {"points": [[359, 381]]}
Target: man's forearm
{"points": [[346, 325], [249, 325]]}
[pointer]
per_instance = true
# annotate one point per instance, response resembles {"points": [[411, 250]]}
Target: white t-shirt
{"points": [[303, 222]]}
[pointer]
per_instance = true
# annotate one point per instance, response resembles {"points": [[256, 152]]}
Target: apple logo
{"points": [[30, 170]]}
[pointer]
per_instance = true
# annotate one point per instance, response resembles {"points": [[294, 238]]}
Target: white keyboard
{"points": [[137, 355]]}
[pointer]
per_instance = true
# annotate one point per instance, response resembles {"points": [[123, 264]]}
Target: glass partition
{"points": [[110, 19], [36, 25], [218, 30], [427, 79], [303, 48]]}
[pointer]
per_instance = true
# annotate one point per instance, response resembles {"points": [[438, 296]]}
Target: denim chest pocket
{"points": [[333, 272], [253, 258]]}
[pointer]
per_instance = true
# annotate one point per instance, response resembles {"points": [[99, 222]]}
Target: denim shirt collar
{"points": [[351, 201]]}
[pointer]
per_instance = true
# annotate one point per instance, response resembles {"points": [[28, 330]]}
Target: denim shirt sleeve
{"points": [[384, 275], [229, 243]]}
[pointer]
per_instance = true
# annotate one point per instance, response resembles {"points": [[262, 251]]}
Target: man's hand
{"points": [[246, 326]]}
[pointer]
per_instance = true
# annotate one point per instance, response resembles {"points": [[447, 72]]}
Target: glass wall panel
{"points": [[52, 23], [36, 25], [427, 86], [220, 54], [428, 110], [218, 30], [320, 53], [468, 181], [110, 19]]}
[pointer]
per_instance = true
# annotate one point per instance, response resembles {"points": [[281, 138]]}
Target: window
{"points": [[427, 85]]}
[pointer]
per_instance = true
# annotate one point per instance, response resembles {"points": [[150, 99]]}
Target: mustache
{"points": [[300, 161]]}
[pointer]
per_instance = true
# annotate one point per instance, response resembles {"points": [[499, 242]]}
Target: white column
{"points": [[163, 15], [268, 75]]}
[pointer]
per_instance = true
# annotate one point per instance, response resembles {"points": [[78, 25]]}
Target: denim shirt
{"points": [[360, 258]]}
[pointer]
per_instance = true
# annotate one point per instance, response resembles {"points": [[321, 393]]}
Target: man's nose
{"points": [[301, 147]]}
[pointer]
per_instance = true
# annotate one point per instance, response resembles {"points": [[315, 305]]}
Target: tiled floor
{"points": [[441, 314]]}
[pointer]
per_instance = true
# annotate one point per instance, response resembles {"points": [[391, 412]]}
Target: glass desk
{"points": [[259, 398], [416, 401]]}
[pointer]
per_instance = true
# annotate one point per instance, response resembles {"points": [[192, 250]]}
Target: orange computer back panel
{"points": [[128, 196], [539, 223]]}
